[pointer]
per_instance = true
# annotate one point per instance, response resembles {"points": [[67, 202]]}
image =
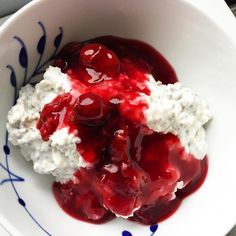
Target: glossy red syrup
{"points": [[129, 166]]}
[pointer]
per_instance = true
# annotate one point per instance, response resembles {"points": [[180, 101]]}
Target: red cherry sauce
{"points": [[132, 171]]}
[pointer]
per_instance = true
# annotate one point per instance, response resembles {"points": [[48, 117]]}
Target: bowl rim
{"points": [[188, 3]]}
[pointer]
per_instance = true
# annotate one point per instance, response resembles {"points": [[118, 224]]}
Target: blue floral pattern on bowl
{"points": [[38, 69]]}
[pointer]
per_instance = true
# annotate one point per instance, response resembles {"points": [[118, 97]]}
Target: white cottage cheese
{"points": [[58, 156], [177, 110], [171, 109]]}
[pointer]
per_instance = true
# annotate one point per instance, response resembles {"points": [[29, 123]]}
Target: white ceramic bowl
{"points": [[204, 59]]}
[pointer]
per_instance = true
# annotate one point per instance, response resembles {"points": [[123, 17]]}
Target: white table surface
{"points": [[215, 9]]}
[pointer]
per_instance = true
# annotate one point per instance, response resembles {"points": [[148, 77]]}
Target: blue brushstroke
{"points": [[39, 69]]}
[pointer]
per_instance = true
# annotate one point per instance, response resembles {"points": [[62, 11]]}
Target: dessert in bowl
{"points": [[114, 127], [118, 106]]}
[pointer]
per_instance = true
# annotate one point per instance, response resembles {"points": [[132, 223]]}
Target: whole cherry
{"points": [[101, 59], [90, 110]]}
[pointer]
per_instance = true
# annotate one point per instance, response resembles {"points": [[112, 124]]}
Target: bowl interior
{"points": [[204, 59]]}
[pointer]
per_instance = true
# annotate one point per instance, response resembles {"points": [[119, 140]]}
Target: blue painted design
{"points": [[153, 229], [22, 202], [13, 77], [23, 57], [57, 40], [14, 177], [41, 44], [13, 82], [126, 233], [39, 69], [6, 149]]}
